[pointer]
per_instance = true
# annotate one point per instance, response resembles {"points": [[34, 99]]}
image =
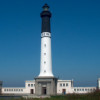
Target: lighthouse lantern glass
{"points": [[46, 9]]}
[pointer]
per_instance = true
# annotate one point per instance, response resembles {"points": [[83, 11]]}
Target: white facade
{"points": [[13, 90], [63, 87], [83, 89], [46, 59], [30, 86], [28, 89]]}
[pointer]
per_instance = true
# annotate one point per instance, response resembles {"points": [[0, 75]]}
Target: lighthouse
{"points": [[45, 83], [46, 58]]}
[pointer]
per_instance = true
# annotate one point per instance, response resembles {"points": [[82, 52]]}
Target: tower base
{"points": [[45, 86]]}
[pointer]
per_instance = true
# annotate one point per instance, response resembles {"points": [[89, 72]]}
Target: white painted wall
{"points": [[29, 85], [68, 86], [71, 89], [83, 89], [13, 90], [20, 90], [46, 59]]}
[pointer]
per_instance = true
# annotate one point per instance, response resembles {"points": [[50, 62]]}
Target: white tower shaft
{"points": [[46, 58]]}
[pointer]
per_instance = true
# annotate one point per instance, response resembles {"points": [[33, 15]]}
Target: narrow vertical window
{"points": [[44, 62], [63, 84], [44, 45], [28, 85], [66, 84], [60, 84], [44, 53]]}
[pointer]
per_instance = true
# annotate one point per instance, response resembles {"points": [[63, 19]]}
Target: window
{"points": [[94, 89], [4, 89], [77, 89], [63, 84], [90, 89], [28, 85], [47, 33], [21, 89], [60, 84], [31, 85], [44, 45], [44, 62], [44, 53], [85, 89], [44, 71], [82, 89], [66, 84], [74, 89]]}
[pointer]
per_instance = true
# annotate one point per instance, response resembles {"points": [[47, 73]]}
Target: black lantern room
{"points": [[45, 15]]}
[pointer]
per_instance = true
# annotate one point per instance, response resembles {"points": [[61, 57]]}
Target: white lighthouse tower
{"points": [[46, 58], [46, 83]]}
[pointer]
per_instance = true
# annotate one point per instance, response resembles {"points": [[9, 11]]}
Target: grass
{"points": [[90, 96]]}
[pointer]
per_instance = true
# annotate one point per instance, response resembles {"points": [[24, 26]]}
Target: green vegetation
{"points": [[90, 96]]}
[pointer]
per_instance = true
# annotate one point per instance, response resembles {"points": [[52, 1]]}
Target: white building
{"points": [[63, 87]]}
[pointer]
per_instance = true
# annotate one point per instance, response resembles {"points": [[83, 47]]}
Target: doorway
{"points": [[64, 91], [31, 91], [44, 90]]}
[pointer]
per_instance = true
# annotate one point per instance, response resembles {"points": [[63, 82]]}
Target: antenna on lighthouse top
{"points": [[45, 7]]}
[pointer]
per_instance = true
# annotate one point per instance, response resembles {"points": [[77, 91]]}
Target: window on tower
{"points": [[44, 53], [44, 71], [44, 45], [44, 62]]}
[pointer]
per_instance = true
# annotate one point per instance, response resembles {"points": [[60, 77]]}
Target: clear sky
{"points": [[75, 27]]}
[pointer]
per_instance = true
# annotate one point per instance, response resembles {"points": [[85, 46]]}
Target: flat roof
{"points": [[29, 80], [64, 80]]}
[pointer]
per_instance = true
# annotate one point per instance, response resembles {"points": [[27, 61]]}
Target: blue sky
{"points": [[75, 27]]}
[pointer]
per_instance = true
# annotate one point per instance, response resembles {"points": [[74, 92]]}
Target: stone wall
{"points": [[45, 86]]}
